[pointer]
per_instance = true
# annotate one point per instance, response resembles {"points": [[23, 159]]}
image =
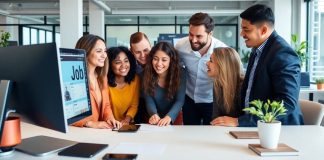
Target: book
{"points": [[245, 134], [281, 150]]}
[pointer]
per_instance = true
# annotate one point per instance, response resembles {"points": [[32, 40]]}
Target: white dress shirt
{"points": [[199, 85]]}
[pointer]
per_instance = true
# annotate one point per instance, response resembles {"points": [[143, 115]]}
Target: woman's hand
{"points": [[99, 125], [164, 121], [225, 121], [126, 120], [114, 123], [154, 119]]}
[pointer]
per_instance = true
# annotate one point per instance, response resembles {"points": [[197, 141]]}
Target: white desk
{"points": [[187, 142], [310, 91]]}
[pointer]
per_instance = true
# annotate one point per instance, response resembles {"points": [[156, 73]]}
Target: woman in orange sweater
{"points": [[97, 67]]}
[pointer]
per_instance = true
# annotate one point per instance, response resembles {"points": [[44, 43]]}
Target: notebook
{"points": [[281, 150], [244, 134], [85, 150]]}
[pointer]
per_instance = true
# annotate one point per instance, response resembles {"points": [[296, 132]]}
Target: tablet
{"points": [[129, 128], [86, 150]]}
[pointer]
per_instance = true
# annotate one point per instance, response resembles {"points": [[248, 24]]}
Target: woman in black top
{"points": [[226, 69]]}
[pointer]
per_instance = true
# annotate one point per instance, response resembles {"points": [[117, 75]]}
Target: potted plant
{"points": [[320, 83], [245, 57], [4, 38], [300, 49], [268, 126]]}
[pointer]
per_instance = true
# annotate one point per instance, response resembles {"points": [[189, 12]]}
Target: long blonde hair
{"points": [[228, 77]]}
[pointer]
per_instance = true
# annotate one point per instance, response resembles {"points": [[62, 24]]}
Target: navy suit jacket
{"points": [[276, 77]]}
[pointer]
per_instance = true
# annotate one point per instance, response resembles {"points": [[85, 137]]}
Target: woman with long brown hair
{"points": [[226, 69], [164, 84], [97, 67]]}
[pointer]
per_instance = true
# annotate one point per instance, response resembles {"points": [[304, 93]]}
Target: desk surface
{"points": [[311, 89], [187, 142]]}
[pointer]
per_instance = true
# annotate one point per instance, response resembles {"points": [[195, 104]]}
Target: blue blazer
{"points": [[277, 77]]}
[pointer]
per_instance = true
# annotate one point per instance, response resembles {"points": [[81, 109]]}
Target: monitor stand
{"points": [[43, 145]]}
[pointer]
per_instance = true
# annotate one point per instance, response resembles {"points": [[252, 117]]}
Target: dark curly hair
{"points": [[150, 80], [113, 52]]}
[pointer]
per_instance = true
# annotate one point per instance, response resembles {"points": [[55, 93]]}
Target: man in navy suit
{"points": [[273, 71]]}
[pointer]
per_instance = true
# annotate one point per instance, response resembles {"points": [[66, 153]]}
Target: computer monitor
{"points": [[4, 89], [39, 88], [75, 84], [171, 38], [13, 43]]}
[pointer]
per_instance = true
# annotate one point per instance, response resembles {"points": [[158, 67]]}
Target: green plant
{"points": [[320, 81], [300, 48], [245, 56], [268, 112], [4, 38]]}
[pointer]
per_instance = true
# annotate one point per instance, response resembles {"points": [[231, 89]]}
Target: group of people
{"points": [[200, 79]]}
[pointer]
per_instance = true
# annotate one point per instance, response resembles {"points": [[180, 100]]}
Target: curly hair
{"points": [[150, 79], [113, 52]]}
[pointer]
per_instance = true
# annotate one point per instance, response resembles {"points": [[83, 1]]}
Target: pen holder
{"points": [[11, 135]]}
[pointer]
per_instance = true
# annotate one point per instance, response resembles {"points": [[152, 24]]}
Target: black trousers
{"points": [[141, 116], [196, 113]]}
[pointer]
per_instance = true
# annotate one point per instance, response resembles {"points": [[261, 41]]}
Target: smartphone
{"points": [[115, 156]]}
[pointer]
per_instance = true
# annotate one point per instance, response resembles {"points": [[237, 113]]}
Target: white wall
{"points": [[283, 18]]}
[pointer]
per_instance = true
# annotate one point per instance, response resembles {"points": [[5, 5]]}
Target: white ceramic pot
{"points": [[269, 134]]}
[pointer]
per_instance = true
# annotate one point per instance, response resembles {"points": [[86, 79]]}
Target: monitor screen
{"points": [[38, 89], [75, 85]]}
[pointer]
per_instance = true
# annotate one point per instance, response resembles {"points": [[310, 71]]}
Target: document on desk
{"points": [[155, 128], [140, 148]]}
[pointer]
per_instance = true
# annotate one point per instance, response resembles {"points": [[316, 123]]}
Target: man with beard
{"points": [[195, 51]]}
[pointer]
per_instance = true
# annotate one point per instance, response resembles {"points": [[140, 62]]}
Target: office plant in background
{"points": [[268, 125], [320, 83], [245, 57], [4, 38], [301, 48]]}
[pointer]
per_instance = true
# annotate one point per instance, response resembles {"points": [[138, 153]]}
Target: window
{"points": [[26, 36], [316, 39]]}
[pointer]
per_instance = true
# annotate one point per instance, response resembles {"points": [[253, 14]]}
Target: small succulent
{"points": [[268, 112]]}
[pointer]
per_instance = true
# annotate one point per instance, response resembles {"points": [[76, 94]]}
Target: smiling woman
{"points": [[165, 85], [123, 84]]}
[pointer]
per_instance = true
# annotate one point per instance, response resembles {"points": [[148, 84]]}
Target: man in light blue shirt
{"points": [[195, 51]]}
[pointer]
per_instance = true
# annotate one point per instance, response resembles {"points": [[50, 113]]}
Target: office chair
{"points": [[313, 112]]}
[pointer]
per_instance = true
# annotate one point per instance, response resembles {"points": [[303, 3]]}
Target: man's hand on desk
{"points": [[99, 125], [225, 121]]}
